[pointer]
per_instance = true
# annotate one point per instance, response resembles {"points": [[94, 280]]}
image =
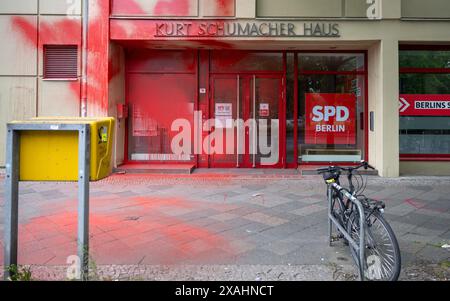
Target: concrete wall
{"points": [[383, 95], [424, 168], [117, 96], [23, 91], [432, 9], [184, 9], [299, 8]]}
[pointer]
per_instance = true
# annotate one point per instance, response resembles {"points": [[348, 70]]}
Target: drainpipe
{"points": [[84, 56]]}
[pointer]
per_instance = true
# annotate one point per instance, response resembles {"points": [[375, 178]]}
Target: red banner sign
{"points": [[330, 118], [424, 104]]}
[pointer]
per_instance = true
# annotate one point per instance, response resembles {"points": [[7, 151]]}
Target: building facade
{"points": [[239, 83]]}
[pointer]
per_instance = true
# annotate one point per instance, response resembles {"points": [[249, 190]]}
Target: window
{"points": [[60, 61], [332, 62], [424, 103], [241, 61], [331, 106]]}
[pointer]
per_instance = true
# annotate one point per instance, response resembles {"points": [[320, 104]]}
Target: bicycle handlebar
{"points": [[332, 169]]}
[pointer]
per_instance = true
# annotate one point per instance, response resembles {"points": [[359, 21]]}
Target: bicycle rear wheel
{"points": [[382, 254]]}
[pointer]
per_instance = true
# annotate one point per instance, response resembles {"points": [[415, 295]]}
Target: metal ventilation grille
{"points": [[60, 61]]}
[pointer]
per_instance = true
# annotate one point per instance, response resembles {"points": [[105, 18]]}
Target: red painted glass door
{"points": [[245, 121]]}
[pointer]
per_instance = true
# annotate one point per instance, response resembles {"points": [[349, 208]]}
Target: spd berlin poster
{"points": [[330, 118]]}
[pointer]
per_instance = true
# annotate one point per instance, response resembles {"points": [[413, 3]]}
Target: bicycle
{"points": [[359, 221]]}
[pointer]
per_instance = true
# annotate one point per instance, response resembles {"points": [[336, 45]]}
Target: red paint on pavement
{"points": [[422, 205], [415, 204], [118, 239], [158, 202]]}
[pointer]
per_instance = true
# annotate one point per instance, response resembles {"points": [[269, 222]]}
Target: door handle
{"points": [[238, 96], [254, 120]]}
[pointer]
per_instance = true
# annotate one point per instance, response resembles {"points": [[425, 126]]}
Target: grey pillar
{"points": [[84, 158], [11, 199]]}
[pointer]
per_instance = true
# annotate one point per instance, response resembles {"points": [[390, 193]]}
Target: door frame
{"points": [[128, 101], [251, 77]]}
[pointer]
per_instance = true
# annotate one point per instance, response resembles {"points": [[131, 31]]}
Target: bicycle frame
{"points": [[332, 220]]}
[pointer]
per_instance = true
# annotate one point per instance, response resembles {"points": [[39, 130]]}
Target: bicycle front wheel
{"points": [[382, 254]]}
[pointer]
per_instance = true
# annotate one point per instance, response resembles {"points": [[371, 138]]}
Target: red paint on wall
{"points": [[98, 45], [27, 29], [221, 8], [114, 68], [126, 7], [172, 8], [66, 31], [75, 87], [190, 32]]}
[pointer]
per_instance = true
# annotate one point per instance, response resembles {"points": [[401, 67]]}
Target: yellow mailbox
{"points": [[53, 155]]}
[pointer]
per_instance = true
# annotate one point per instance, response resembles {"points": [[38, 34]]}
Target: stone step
{"points": [[155, 168]]}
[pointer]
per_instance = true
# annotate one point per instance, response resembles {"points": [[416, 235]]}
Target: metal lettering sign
{"points": [[224, 29]]}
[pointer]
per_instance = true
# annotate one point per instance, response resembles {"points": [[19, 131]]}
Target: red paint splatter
{"points": [[415, 204], [98, 45], [153, 203], [114, 68], [116, 239], [126, 7], [422, 205], [172, 8], [26, 28], [222, 8], [66, 31]]}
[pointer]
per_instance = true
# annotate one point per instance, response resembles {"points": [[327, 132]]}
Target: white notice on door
{"points": [[223, 115]]}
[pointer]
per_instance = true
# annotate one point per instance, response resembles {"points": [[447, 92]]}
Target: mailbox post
{"points": [[12, 189]]}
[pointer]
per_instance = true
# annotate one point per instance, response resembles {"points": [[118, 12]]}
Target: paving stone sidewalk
{"points": [[223, 226]]}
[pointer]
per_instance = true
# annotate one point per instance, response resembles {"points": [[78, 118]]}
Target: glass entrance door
{"points": [[245, 126]]}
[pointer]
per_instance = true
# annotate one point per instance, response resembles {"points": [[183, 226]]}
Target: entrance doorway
{"points": [[248, 116]]}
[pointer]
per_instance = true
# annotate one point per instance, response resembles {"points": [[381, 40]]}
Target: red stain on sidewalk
{"points": [[422, 205], [415, 204], [138, 232]]}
